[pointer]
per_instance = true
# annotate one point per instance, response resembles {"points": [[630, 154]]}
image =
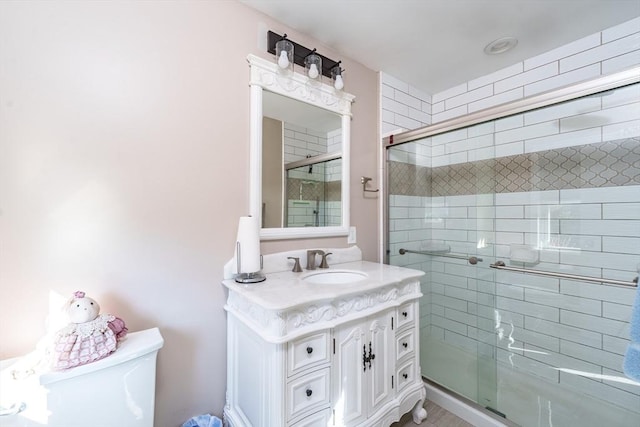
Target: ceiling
{"points": [[437, 44]]}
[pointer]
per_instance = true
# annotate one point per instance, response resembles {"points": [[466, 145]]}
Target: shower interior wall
{"points": [[573, 196], [313, 193], [560, 323]]}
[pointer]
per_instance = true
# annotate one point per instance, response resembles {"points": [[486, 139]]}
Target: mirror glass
{"points": [[299, 154], [301, 164]]}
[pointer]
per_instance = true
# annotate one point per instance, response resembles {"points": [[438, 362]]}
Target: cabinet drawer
{"points": [[406, 374], [319, 419], [405, 343], [406, 314], [310, 391], [308, 351]]}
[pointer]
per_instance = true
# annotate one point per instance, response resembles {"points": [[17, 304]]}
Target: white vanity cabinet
{"points": [[308, 392], [363, 367], [304, 355]]}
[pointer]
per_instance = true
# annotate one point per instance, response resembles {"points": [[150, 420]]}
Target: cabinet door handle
{"points": [[309, 350], [405, 376], [371, 355], [405, 345], [404, 313], [364, 358], [309, 392]]}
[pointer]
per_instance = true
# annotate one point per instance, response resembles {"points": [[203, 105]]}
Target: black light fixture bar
{"points": [[300, 53]]}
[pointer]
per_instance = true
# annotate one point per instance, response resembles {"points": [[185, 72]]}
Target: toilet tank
{"points": [[117, 391]]}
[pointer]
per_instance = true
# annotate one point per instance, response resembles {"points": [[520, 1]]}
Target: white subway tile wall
{"points": [[602, 53], [312, 213], [548, 324], [299, 143], [612, 116], [403, 107], [547, 327]]}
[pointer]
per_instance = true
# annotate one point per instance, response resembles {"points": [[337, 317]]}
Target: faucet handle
{"points": [[324, 263], [296, 266]]}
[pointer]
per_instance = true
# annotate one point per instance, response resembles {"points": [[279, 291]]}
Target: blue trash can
{"points": [[205, 420]]}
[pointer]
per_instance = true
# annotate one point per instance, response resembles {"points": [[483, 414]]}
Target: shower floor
{"points": [[525, 399]]}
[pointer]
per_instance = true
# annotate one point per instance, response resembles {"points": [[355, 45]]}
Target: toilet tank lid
{"points": [[136, 344]]}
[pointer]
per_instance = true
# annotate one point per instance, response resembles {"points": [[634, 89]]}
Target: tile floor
{"points": [[437, 417]]}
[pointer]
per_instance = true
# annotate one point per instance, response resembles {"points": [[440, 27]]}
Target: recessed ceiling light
{"points": [[500, 45]]}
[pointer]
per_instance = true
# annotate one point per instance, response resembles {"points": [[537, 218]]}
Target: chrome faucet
{"points": [[311, 258]]}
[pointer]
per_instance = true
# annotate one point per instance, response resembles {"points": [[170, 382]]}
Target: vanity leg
{"points": [[418, 412]]}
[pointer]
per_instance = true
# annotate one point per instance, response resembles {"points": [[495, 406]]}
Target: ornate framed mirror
{"points": [[299, 154]]}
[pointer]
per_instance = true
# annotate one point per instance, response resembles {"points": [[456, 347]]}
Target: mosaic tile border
{"points": [[606, 164], [301, 189]]}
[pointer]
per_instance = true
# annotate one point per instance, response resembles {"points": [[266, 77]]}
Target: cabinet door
{"points": [[380, 371], [349, 379]]}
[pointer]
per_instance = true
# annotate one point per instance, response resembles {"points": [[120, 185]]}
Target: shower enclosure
{"points": [[313, 192], [526, 221]]}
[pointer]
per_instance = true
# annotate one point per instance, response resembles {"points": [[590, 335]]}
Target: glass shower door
{"points": [[441, 220], [549, 190], [570, 207]]}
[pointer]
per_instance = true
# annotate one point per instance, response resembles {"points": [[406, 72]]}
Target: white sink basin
{"points": [[334, 277]]}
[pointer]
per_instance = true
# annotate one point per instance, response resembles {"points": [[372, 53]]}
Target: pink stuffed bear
{"points": [[89, 337]]}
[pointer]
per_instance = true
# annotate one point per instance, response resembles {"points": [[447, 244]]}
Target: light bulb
{"points": [[313, 71], [283, 60], [339, 83]]}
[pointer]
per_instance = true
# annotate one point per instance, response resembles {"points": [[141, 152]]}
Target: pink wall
{"points": [[124, 141]]}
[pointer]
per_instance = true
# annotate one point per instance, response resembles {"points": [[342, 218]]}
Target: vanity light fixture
{"points": [[313, 65], [336, 75], [284, 54]]}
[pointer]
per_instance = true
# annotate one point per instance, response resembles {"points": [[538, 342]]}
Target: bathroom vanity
{"points": [[336, 346]]}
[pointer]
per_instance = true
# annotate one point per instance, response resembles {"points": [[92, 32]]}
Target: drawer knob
{"points": [[309, 350], [404, 313], [309, 392], [405, 345], [405, 376]]}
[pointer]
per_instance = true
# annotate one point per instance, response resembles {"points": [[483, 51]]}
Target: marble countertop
{"points": [[286, 290]]}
